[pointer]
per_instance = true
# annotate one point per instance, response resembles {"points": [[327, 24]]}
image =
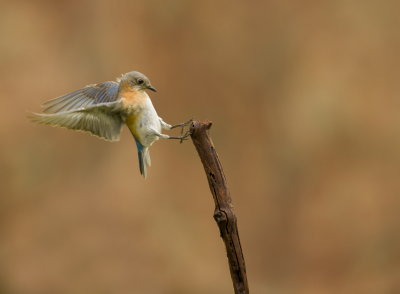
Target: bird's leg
{"points": [[183, 137], [163, 136], [164, 125], [182, 124]]}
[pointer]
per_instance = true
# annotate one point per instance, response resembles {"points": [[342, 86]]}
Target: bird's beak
{"points": [[152, 88]]}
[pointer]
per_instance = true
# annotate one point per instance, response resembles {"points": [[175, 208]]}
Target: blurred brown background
{"points": [[304, 96]]}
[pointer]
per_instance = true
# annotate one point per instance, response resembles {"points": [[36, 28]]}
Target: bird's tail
{"points": [[144, 158]]}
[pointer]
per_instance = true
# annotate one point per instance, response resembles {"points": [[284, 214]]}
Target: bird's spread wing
{"points": [[101, 120], [95, 109], [85, 97]]}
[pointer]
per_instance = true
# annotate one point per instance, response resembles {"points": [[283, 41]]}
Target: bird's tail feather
{"points": [[144, 158]]}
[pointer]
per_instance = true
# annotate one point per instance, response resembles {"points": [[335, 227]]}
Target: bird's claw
{"points": [[185, 136], [182, 137]]}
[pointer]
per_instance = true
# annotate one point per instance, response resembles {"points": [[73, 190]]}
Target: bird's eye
{"points": [[140, 81]]}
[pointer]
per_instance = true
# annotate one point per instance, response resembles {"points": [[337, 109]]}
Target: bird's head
{"points": [[136, 81]]}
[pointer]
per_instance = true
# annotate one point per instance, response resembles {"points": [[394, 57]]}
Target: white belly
{"points": [[146, 124]]}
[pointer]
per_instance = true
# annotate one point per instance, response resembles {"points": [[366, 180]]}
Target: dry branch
{"points": [[223, 213]]}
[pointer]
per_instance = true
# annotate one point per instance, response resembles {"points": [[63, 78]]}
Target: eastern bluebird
{"points": [[101, 109]]}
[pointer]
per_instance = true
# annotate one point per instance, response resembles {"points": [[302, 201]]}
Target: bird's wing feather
{"points": [[86, 97], [102, 120]]}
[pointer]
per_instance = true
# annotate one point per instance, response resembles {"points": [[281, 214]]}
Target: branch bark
{"points": [[223, 213]]}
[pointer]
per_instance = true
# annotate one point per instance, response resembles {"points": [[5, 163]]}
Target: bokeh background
{"points": [[304, 96]]}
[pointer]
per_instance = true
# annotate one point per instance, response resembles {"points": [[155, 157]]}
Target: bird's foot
{"points": [[182, 124], [182, 137]]}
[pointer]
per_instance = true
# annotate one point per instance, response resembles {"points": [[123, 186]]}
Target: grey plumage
{"points": [[93, 109]]}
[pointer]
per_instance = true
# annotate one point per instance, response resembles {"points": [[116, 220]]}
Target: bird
{"points": [[102, 109]]}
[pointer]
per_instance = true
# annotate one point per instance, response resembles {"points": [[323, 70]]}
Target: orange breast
{"points": [[133, 98], [133, 101]]}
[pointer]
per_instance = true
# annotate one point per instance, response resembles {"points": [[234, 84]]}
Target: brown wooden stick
{"points": [[223, 213]]}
